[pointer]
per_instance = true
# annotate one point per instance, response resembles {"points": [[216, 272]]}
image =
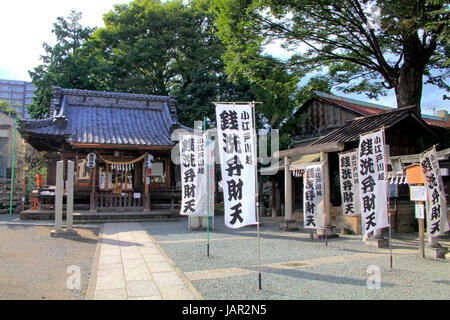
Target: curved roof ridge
{"points": [[131, 96], [143, 121]]}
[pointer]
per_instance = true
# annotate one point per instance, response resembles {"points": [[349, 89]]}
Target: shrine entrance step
{"points": [[93, 217], [85, 216]]}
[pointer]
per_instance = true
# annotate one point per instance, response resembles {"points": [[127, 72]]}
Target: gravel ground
{"points": [[33, 265], [314, 271]]}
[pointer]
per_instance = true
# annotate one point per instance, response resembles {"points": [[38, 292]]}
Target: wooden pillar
{"points": [[326, 189], [287, 190], [168, 173], [288, 224], [146, 195], [92, 200], [421, 235], [330, 231], [59, 195], [69, 210], [274, 200], [107, 176]]}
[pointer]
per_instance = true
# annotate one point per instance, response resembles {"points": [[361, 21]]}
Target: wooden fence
{"points": [[167, 198], [108, 200]]}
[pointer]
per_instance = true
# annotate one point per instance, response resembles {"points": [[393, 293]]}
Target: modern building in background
{"points": [[6, 150], [18, 94]]}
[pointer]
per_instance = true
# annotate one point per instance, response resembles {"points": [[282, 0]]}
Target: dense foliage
{"points": [[363, 45]]}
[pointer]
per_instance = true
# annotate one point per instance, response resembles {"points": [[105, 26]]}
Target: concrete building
{"points": [[6, 149], [18, 94]]}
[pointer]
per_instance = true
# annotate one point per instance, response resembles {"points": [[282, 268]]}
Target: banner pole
{"points": [[257, 196], [207, 189], [387, 199]]}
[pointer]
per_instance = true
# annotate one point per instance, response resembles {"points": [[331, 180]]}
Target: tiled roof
{"points": [[365, 108], [360, 107], [435, 121], [82, 116], [355, 127]]}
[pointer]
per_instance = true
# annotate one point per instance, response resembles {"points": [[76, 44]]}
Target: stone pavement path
{"points": [[131, 265]]}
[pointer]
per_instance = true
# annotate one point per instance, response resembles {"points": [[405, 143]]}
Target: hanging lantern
{"points": [[148, 162], [90, 160]]}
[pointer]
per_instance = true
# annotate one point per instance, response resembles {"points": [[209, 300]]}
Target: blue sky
{"points": [[26, 24]]}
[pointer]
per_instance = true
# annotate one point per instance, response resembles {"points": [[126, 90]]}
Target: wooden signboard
{"points": [[418, 193], [414, 174]]}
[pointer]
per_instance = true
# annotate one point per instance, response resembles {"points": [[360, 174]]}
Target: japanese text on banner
{"points": [[437, 213], [372, 182], [193, 174], [237, 155], [313, 197], [348, 173], [210, 157]]}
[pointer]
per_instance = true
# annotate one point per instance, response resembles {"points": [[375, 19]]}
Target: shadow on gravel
{"points": [[447, 282], [299, 274], [365, 251], [81, 239], [287, 237]]}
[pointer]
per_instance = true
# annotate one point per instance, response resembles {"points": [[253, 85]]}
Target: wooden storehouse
{"points": [[326, 112], [407, 134], [121, 129], [321, 115]]}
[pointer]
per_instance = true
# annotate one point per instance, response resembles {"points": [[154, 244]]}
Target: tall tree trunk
{"points": [[409, 85], [408, 90]]}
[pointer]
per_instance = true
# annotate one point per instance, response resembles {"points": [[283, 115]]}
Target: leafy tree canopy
{"points": [[172, 48], [66, 64], [160, 48], [6, 109], [364, 45]]}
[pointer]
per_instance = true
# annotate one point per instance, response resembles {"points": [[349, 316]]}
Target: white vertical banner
{"points": [[193, 174], [235, 132], [210, 166], [348, 173], [313, 204], [372, 181], [437, 222]]}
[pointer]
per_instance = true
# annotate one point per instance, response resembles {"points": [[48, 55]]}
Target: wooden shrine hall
{"points": [[122, 131]]}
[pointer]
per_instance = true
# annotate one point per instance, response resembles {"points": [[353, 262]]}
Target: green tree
{"points": [[6, 109], [166, 48], [69, 64], [364, 45]]}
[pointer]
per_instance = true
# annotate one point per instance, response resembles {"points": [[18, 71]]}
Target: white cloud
{"points": [[25, 25]]}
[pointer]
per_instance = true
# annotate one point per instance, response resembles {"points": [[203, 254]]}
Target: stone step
{"points": [[124, 220], [90, 217], [123, 216]]}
